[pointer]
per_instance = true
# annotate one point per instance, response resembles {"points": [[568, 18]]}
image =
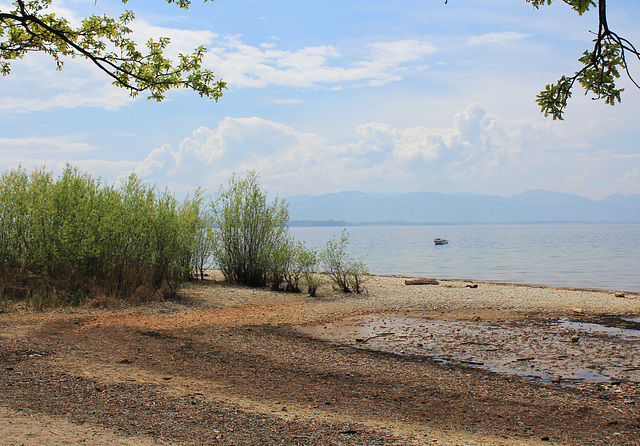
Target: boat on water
{"points": [[440, 241]]}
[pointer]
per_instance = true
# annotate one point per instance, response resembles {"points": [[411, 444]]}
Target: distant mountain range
{"points": [[425, 207]]}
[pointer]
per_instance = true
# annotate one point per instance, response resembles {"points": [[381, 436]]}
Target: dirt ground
{"points": [[226, 366]]}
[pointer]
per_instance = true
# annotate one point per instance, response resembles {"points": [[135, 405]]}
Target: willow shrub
{"points": [[250, 232], [304, 269], [73, 238], [346, 272], [253, 246]]}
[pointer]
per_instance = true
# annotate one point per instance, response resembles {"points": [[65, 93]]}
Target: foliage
{"points": [[307, 260], [301, 267], [347, 273], [68, 239], [252, 243], [104, 41], [250, 232], [602, 65], [203, 242], [73, 239], [281, 265]]}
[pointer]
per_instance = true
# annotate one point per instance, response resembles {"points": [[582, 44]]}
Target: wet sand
{"points": [[589, 353]]}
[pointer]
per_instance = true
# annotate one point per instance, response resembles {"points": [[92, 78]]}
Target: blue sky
{"points": [[373, 96]]}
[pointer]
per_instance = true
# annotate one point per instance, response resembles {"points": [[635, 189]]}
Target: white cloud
{"points": [[378, 132], [182, 40], [478, 153], [208, 157], [499, 38], [248, 66], [97, 96], [80, 84], [630, 181], [65, 145], [397, 52], [288, 101]]}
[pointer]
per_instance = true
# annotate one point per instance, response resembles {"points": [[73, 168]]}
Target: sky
{"points": [[348, 95]]}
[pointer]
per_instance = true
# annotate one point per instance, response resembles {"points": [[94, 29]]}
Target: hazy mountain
{"points": [[425, 207]]}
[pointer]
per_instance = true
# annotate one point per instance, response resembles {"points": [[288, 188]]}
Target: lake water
{"points": [[601, 256]]}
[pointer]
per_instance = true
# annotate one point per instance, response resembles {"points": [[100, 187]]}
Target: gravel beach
{"points": [[231, 365]]}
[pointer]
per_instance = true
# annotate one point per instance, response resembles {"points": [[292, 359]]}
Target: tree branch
{"points": [[29, 31], [600, 65]]}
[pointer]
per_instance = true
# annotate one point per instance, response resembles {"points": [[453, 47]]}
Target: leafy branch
{"points": [[29, 28], [601, 68], [602, 65]]}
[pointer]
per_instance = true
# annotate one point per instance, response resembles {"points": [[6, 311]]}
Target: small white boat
{"points": [[440, 241]]}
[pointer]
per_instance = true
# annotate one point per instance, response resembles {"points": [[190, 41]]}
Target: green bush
{"points": [[70, 239], [347, 273], [252, 243], [203, 241], [307, 261], [280, 265], [66, 240], [299, 264], [251, 233]]}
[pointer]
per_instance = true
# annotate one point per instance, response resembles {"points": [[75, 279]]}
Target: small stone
{"points": [[575, 339], [556, 379], [577, 310], [620, 295]]}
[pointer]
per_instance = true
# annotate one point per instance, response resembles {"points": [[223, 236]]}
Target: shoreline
{"points": [[523, 284]]}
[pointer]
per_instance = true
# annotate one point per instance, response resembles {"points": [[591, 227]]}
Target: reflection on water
{"points": [[602, 256], [598, 329], [572, 352]]}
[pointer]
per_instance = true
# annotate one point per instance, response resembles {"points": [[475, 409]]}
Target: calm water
{"points": [[599, 256]]}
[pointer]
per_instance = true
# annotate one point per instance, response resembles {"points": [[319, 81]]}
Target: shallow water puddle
{"points": [[572, 353], [598, 329]]}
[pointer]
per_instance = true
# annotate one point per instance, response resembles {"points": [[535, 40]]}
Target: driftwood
{"points": [[421, 282]]}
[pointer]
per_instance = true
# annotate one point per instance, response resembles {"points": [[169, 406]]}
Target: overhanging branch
{"points": [[30, 31]]}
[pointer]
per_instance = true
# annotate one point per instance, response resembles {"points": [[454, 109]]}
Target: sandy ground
{"points": [[232, 365]]}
